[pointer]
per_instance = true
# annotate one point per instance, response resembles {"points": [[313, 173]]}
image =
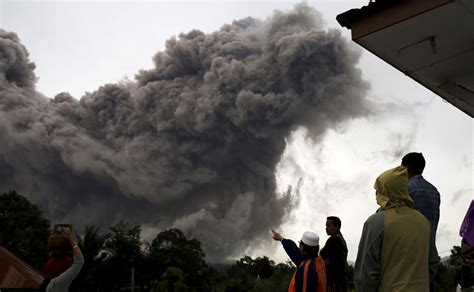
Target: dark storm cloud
{"points": [[194, 142]]}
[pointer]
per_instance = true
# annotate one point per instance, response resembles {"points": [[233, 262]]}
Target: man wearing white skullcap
{"points": [[310, 274]]}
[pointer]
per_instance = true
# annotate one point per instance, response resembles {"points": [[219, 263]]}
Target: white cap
{"points": [[310, 238]]}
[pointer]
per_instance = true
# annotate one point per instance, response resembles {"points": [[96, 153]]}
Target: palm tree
{"points": [[91, 244]]}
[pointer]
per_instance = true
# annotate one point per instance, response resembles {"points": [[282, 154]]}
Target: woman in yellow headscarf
{"points": [[395, 247]]}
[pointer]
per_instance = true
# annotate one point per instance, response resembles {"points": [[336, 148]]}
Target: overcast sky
{"points": [[79, 46]]}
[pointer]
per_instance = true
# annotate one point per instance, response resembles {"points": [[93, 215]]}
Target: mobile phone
{"points": [[59, 228]]}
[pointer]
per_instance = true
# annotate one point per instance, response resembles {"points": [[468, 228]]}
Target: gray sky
{"points": [[79, 46]]}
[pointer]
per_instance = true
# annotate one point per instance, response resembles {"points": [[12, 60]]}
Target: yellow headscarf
{"points": [[392, 188]]}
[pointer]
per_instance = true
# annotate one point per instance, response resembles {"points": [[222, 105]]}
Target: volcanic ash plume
{"points": [[192, 143]]}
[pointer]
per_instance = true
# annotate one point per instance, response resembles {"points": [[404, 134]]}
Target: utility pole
{"points": [[132, 284]]}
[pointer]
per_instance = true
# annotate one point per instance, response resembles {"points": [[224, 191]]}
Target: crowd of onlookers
{"points": [[397, 250]]}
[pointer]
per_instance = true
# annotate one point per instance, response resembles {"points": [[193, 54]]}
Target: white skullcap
{"points": [[310, 238]]}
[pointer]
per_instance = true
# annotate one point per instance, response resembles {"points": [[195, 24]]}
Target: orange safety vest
{"points": [[320, 268]]}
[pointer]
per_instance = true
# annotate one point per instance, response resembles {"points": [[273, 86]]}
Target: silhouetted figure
{"points": [[425, 195], [310, 274], [60, 270], [396, 249], [464, 275], [334, 254]]}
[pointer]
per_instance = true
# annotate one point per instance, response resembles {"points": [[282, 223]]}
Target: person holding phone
{"points": [[61, 270]]}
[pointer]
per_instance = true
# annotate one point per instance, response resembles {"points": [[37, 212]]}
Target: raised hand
{"points": [[277, 236]]}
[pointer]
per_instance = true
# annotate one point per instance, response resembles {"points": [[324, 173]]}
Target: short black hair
{"points": [[415, 161], [310, 251], [335, 220]]}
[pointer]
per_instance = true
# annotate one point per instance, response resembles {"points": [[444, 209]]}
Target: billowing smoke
{"points": [[192, 143]]}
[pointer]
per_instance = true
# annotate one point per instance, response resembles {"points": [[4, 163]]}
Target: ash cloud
{"points": [[191, 143]]}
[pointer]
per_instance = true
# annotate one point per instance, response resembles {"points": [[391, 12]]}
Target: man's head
{"points": [[309, 244], [333, 225], [414, 162]]}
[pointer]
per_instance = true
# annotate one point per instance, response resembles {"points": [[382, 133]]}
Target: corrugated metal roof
{"points": [[15, 273]]}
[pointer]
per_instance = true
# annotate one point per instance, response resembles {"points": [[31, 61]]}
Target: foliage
{"points": [[170, 281], [171, 262], [463, 271], [123, 241], [171, 248], [91, 246], [24, 231], [350, 278], [454, 271], [122, 245], [444, 280], [260, 274], [456, 259]]}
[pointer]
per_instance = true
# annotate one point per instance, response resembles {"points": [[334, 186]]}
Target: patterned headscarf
{"points": [[392, 188]]}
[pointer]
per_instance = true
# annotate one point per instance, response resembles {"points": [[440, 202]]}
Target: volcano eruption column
{"points": [[192, 143]]}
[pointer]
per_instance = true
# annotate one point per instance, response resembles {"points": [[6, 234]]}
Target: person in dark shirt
{"points": [[334, 254], [426, 196], [310, 274]]}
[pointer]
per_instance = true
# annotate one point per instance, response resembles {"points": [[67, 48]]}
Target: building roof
{"points": [[431, 41], [15, 273], [349, 17]]}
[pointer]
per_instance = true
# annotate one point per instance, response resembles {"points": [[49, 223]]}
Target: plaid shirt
{"points": [[427, 199]]}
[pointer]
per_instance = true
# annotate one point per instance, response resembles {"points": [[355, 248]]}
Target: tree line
{"points": [[117, 259]]}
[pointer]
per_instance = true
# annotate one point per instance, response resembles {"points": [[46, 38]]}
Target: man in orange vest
{"points": [[310, 274]]}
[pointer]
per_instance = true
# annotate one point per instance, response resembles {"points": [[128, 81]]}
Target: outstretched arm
{"points": [[291, 249]]}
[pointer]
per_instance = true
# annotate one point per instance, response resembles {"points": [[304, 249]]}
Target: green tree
{"points": [[91, 245], [262, 267], [122, 247], [350, 278], [171, 248], [444, 280], [240, 276], [463, 272], [456, 259], [260, 274], [172, 280], [279, 280], [23, 229]]}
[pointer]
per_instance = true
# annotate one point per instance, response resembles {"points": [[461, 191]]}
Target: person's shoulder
{"points": [[418, 215], [420, 180], [430, 185], [333, 238], [416, 180], [376, 216], [338, 237]]}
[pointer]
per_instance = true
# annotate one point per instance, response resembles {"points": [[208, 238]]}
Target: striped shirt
{"points": [[427, 200]]}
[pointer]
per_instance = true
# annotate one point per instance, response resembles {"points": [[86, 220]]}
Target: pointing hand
{"points": [[277, 236]]}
